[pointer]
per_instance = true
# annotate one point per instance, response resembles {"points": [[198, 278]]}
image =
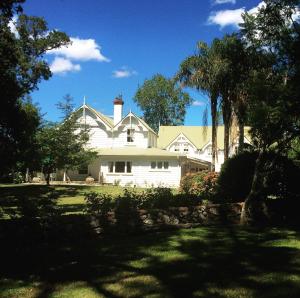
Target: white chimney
{"points": [[118, 109]]}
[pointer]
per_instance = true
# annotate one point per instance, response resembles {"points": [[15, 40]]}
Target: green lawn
{"points": [[67, 258], [70, 197]]}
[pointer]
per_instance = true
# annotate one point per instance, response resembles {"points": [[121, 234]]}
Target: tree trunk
{"points": [[226, 141], [254, 209], [214, 102], [241, 136], [48, 178], [227, 118]]}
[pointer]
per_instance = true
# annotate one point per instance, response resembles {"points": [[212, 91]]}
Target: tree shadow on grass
{"points": [[50, 253], [201, 262]]}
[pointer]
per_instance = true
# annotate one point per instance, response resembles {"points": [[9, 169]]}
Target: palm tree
{"points": [[233, 85], [200, 71]]}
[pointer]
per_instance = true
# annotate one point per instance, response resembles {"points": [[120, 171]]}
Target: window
{"points": [[128, 167], [160, 165], [209, 150], [110, 167], [176, 149], [120, 167], [130, 133], [83, 170], [186, 149]]}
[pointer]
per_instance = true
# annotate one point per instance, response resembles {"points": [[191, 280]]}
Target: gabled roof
{"points": [[176, 138], [139, 119], [200, 136], [107, 120]]}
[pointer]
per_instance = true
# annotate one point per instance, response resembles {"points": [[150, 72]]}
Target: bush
{"points": [[235, 179], [202, 184], [281, 177]]}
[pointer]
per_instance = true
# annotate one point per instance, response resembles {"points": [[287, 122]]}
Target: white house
{"points": [[128, 152], [195, 142]]}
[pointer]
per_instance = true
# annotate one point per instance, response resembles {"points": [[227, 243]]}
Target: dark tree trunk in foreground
{"points": [[227, 118], [48, 178], [214, 102], [226, 141], [241, 136], [254, 209]]}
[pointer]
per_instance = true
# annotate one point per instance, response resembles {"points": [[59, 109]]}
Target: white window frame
{"points": [[126, 168], [130, 135], [164, 165]]}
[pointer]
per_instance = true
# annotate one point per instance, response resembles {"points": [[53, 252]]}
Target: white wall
{"points": [[142, 175], [140, 136], [100, 135]]}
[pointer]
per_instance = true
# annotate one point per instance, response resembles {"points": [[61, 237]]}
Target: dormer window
{"points": [[130, 135]]}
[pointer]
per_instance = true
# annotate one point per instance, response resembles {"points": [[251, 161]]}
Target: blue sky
{"points": [[117, 44]]}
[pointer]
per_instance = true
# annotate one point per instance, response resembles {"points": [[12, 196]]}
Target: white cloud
{"points": [[224, 1], [226, 17], [62, 65], [123, 72], [81, 50], [198, 103], [230, 17]]}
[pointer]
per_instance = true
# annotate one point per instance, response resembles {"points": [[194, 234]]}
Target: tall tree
{"points": [[66, 106], [22, 67], [201, 71], [63, 145], [162, 101], [275, 91]]}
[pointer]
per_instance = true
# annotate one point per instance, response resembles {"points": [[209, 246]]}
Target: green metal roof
{"points": [[198, 135]]}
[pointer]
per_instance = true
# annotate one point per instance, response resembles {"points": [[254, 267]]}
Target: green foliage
{"points": [[280, 177], [294, 152], [98, 203], [152, 198], [201, 71], [62, 146], [202, 184], [235, 180], [18, 178], [162, 101], [22, 66]]}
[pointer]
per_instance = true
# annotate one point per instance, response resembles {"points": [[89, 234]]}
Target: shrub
{"points": [[159, 198], [126, 212], [98, 203], [203, 184], [281, 177], [280, 174], [235, 179]]}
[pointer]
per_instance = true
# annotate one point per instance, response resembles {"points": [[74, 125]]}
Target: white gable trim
{"points": [[98, 116], [176, 140], [142, 123]]}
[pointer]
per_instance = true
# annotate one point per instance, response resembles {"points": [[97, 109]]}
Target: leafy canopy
{"points": [[162, 101], [63, 145], [22, 67]]}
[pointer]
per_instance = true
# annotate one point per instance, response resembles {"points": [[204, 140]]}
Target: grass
{"points": [[200, 262], [68, 259], [70, 197]]}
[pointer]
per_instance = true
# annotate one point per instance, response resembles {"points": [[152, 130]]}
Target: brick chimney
{"points": [[118, 109]]}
